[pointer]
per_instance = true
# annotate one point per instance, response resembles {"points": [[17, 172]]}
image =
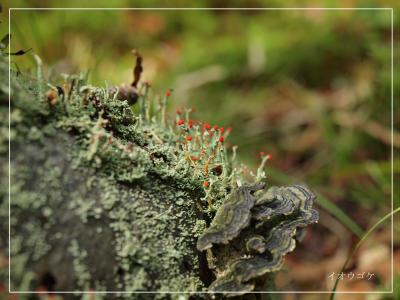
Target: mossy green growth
{"points": [[129, 147], [86, 170], [106, 199], [97, 201]]}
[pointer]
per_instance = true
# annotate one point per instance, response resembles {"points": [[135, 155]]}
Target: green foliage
{"points": [[304, 85]]}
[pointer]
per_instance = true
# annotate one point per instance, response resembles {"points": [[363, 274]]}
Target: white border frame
{"points": [[208, 292]]}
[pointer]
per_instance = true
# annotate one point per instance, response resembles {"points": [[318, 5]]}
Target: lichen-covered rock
{"points": [[103, 198], [86, 230], [96, 203]]}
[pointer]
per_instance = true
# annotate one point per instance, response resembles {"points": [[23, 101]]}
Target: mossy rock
{"points": [[108, 200], [86, 230], [76, 225]]}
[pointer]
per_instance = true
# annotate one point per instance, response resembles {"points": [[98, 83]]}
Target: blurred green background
{"points": [[311, 87]]}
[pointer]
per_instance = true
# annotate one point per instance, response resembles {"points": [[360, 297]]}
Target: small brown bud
{"points": [[128, 93], [51, 97]]}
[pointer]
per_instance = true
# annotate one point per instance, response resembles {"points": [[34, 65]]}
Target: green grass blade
{"points": [[334, 210], [375, 226]]}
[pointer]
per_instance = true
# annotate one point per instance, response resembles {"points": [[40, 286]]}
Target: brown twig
{"points": [[137, 71]]}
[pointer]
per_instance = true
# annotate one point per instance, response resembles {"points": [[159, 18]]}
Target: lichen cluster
{"points": [[148, 185], [91, 200]]}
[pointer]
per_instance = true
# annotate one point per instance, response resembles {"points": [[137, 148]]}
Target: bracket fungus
{"points": [[252, 232], [231, 218]]}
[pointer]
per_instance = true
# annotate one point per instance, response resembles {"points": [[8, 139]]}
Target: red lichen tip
{"points": [[268, 156], [190, 123], [222, 130], [215, 127], [229, 129], [168, 93], [181, 122], [189, 138], [178, 111], [207, 126], [221, 139], [206, 184]]}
